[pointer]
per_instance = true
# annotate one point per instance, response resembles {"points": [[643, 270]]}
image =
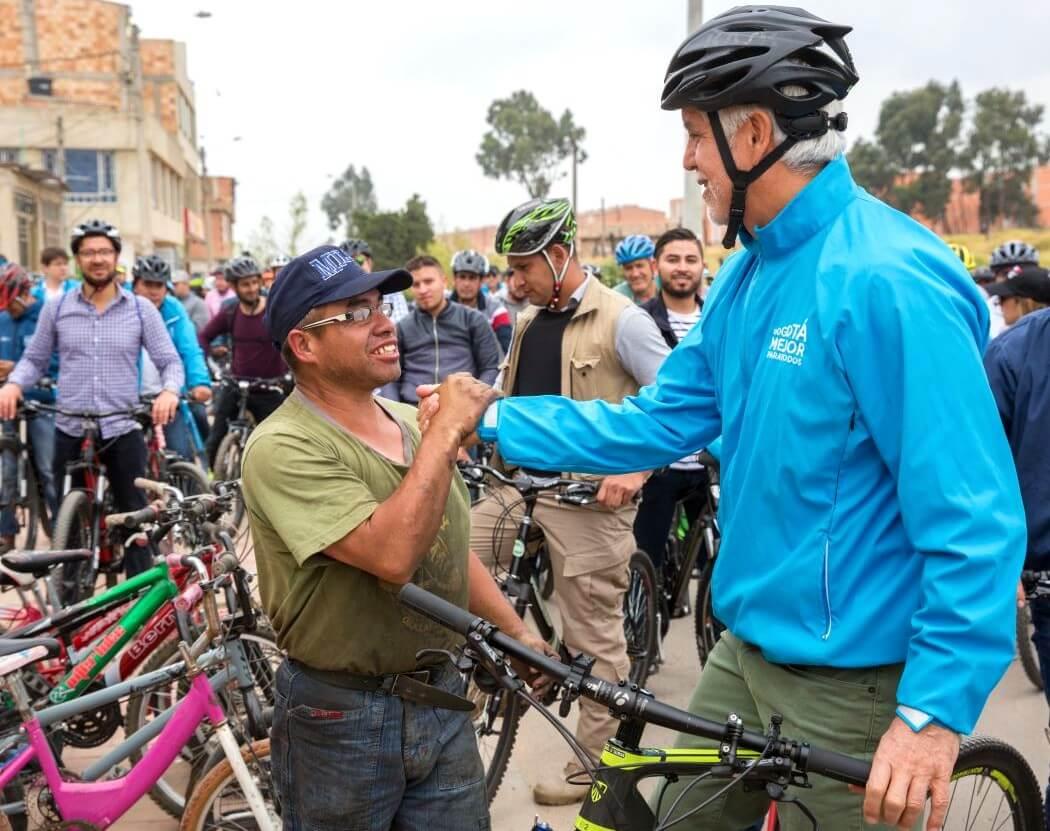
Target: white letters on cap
{"points": [[331, 263]]}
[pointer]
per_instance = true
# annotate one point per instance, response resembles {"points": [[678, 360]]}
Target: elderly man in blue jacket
{"points": [[873, 531], [151, 277]]}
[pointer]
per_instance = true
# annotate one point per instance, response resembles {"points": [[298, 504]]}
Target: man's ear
{"points": [[299, 344]]}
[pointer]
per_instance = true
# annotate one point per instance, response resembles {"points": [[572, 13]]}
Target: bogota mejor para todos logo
{"points": [[788, 344]]}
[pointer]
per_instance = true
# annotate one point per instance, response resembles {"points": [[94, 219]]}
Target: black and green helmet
{"points": [[530, 228]]}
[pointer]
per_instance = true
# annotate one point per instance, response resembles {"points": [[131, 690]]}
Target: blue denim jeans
{"points": [[1040, 609], [42, 439], [361, 761]]}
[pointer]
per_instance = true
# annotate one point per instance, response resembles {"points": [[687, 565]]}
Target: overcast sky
{"points": [[403, 87]]}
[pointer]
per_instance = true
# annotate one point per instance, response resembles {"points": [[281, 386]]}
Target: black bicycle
{"points": [[524, 581], [27, 501], [230, 451], [992, 785]]}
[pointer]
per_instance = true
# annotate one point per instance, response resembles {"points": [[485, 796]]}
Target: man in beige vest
{"points": [[582, 340]]}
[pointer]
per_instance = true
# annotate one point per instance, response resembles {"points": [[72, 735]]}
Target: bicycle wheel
{"points": [[1026, 649], [188, 478], [170, 790], [639, 616], [217, 801], [73, 529], [707, 627], [228, 466], [993, 787], [495, 718], [29, 513]]}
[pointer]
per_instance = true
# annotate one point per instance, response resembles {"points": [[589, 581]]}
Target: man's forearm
{"points": [[487, 601], [393, 541]]}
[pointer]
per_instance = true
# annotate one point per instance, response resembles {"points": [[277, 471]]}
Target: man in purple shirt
{"points": [[254, 353], [99, 332]]}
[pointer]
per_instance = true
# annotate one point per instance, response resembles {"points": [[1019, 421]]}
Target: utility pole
{"points": [[692, 204], [139, 113]]}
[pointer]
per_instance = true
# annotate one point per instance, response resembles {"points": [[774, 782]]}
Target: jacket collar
{"points": [[817, 205]]}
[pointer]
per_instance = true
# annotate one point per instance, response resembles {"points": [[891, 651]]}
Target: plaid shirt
{"points": [[98, 357]]}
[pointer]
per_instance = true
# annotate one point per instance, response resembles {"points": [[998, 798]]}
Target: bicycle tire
{"points": [[1026, 649], [639, 616], [31, 510], [220, 779], [188, 478], [1006, 769], [706, 627], [73, 527], [507, 710], [227, 467]]}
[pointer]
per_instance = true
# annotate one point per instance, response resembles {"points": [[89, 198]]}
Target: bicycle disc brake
{"points": [[94, 727]]}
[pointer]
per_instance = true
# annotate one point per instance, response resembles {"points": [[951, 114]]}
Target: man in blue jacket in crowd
{"points": [[19, 311], [151, 277], [873, 531]]}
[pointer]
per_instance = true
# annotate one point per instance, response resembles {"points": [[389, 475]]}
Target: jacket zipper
{"points": [[826, 571]]}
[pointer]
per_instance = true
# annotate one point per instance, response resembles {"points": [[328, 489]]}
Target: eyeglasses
{"points": [[97, 253], [354, 315]]}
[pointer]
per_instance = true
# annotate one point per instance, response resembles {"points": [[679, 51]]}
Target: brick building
{"points": [[83, 98]]}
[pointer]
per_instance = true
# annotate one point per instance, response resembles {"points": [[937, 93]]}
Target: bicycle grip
{"points": [[148, 485], [437, 609], [838, 766], [132, 519]]}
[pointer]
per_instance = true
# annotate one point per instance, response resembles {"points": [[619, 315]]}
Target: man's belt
{"points": [[409, 686]]}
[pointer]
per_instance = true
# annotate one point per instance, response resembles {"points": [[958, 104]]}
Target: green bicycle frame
{"points": [[614, 802], [161, 589]]}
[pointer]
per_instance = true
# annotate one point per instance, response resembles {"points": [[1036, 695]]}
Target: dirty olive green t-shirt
{"points": [[308, 483]]}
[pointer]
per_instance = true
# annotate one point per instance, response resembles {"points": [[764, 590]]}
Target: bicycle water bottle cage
{"points": [[579, 669]]}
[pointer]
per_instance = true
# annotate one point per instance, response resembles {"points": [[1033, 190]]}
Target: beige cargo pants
{"points": [[590, 547]]}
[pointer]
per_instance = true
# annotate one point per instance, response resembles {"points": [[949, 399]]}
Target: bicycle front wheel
{"points": [[707, 627], [217, 802], [639, 617], [73, 529], [228, 466], [1026, 649], [993, 787], [495, 717], [188, 478]]}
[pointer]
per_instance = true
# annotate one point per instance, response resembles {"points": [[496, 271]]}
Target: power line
{"points": [[83, 57]]}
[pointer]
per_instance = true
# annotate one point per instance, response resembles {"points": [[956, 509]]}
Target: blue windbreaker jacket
{"points": [[184, 336], [870, 509]]}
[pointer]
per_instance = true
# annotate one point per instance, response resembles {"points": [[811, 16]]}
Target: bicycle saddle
{"points": [[39, 563]]}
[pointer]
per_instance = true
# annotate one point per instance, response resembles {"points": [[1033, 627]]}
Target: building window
{"points": [[187, 119], [90, 174], [9, 155]]}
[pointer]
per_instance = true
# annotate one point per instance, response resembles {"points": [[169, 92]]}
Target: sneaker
{"points": [[555, 789]]}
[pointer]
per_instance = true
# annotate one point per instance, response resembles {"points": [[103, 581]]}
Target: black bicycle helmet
{"points": [[1014, 252], [470, 262], [240, 267], [748, 55], [94, 228], [357, 248], [152, 269]]}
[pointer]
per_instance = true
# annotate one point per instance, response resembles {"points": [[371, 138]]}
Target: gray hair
{"points": [[803, 157]]}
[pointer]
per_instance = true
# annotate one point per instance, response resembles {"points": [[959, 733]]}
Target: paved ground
{"points": [[1017, 713]]}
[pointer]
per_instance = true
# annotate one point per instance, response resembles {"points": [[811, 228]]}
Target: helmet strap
{"points": [[559, 276], [741, 178]]}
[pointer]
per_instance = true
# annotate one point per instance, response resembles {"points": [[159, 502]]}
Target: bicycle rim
{"points": [[639, 616], [218, 802], [993, 789]]}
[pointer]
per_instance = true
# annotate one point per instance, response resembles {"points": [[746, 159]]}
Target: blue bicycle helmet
{"points": [[635, 247]]}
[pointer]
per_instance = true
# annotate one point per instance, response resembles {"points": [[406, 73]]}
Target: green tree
{"points": [[396, 236], [298, 213], [527, 144], [871, 169], [1003, 148], [350, 194]]}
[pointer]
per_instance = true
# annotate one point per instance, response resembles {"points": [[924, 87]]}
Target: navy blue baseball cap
{"points": [[321, 276]]}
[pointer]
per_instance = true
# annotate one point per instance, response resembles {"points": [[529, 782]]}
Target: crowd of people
{"points": [[865, 547]]}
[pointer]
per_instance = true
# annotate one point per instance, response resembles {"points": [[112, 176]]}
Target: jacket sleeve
{"points": [[1002, 378], [661, 424], [37, 357], [218, 325], [160, 348], [185, 336], [911, 349], [485, 347]]}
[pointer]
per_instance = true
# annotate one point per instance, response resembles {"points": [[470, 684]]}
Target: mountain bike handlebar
{"points": [[626, 700]]}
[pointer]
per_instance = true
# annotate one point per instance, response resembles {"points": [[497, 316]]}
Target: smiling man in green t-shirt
{"points": [[346, 504]]}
